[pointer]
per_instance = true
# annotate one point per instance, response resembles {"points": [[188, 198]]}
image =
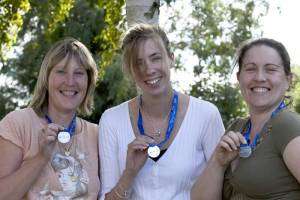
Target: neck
{"points": [[60, 118], [157, 106], [260, 117]]}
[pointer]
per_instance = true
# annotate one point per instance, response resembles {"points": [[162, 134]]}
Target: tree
{"points": [[46, 23], [295, 90], [213, 33]]}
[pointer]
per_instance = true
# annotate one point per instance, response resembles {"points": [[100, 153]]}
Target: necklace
{"points": [[157, 128]]}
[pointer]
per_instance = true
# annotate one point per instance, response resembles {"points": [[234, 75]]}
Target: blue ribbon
{"points": [[171, 123], [70, 129], [257, 135]]}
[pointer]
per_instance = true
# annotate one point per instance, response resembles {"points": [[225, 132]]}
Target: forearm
{"points": [[210, 183], [124, 184], [17, 184]]}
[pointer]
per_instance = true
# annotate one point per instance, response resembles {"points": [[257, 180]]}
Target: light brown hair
{"points": [[70, 48]]}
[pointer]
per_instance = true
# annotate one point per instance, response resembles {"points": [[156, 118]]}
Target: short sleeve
{"points": [[12, 128], [285, 127], [213, 132]]}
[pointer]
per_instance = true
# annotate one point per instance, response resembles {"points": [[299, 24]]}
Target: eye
{"points": [[156, 58], [60, 71], [272, 68]]}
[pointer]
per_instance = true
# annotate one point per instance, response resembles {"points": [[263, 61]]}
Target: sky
{"points": [[281, 23], [284, 26]]}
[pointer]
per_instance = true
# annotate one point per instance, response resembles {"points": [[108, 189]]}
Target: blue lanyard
{"points": [[171, 123], [257, 136], [70, 129]]}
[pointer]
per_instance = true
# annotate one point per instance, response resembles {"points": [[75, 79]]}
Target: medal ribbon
{"points": [[257, 136], [171, 123], [70, 129]]}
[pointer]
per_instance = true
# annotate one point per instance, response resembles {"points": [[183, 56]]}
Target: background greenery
{"points": [[214, 31]]}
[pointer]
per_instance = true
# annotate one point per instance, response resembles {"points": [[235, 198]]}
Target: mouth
{"points": [[68, 93], [153, 82], [260, 89]]}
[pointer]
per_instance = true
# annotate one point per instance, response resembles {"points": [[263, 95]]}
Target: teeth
{"points": [[260, 89], [68, 93], [152, 82]]}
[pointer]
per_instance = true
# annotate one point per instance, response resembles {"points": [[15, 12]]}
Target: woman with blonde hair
{"points": [[156, 144], [47, 151]]}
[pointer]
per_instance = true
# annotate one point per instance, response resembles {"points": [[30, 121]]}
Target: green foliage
{"points": [[11, 12], [216, 30], [48, 22], [295, 91], [111, 35]]}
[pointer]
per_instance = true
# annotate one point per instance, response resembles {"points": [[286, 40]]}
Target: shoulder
{"points": [[236, 124], [285, 127], [89, 125], [115, 113], [205, 107], [286, 119], [20, 115]]}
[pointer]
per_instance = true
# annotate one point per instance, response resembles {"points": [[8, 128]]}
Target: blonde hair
{"points": [[70, 48], [137, 34]]}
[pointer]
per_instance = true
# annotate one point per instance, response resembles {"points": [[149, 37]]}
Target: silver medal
{"points": [[245, 150], [64, 137], [153, 151]]}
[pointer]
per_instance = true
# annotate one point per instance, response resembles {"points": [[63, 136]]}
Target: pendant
{"points": [[245, 150], [64, 137], [74, 178], [67, 153], [153, 151]]}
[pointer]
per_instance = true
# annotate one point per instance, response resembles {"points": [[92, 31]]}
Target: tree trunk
{"points": [[142, 11]]}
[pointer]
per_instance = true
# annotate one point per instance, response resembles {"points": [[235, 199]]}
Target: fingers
{"points": [[232, 140], [50, 132], [141, 143]]}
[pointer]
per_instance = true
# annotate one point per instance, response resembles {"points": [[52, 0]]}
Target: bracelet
{"points": [[125, 194]]}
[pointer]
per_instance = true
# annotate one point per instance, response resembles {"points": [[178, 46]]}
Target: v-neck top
{"points": [[173, 175]]}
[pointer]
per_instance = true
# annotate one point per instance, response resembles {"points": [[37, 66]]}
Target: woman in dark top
{"points": [[258, 157]]}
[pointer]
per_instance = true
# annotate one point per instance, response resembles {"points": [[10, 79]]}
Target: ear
{"points": [[290, 81], [238, 76]]}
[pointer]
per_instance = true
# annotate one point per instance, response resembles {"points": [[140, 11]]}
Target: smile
{"points": [[153, 81], [68, 92], [260, 89]]}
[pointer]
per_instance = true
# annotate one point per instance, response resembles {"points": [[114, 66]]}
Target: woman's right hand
{"points": [[47, 139], [137, 154], [228, 148]]}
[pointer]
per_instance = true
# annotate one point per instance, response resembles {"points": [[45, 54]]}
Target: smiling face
{"points": [[262, 78], [151, 71], [67, 85]]}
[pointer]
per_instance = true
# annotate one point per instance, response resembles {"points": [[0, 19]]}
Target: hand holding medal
{"points": [[228, 148], [48, 137], [64, 135], [137, 153]]}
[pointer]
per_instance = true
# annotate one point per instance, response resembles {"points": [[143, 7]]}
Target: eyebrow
{"points": [[252, 63]]}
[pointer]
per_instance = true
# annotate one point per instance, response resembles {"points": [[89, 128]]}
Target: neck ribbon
{"points": [[257, 135], [71, 128], [173, 112]]}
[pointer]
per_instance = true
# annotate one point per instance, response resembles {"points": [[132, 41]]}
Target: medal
{"points": [[245, 150], [64, 137], [153, 151]]}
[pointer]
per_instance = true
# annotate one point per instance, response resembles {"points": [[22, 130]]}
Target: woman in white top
{"points": [[155, 145]]}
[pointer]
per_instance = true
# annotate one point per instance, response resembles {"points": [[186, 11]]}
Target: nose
{"points": [[261, 75], [148, 68], [70, 79]]}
